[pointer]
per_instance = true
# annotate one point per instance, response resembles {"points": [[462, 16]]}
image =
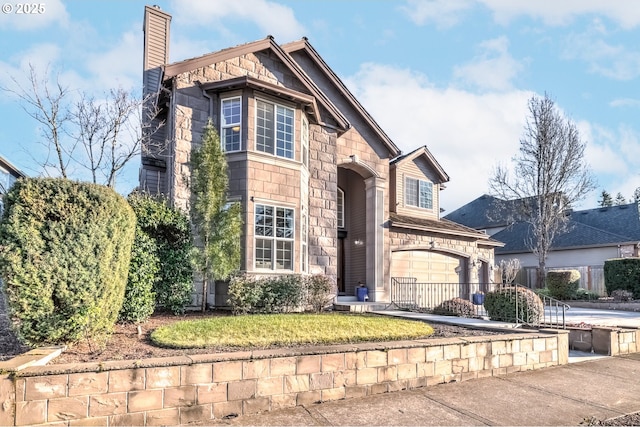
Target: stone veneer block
{"points": [[225, 409], [227, 371], [126, 380], [269, 386], [308, 397], [145, 400], [468, 351], [180, 396], [7, 399], [308, 364], [332, 394], [397, 356], [443, 367], [366, 376], [376, 358], [31, 412], [239, 390], [416, 355], [108, 404], [211, 393], [163, 377], [498, 347], [136, 419], [253, 369], [407, 371], [163, 417], [87, 422], [196, 413], [296, 383], [321, 381], [451, 352], [283, 366], [67, 408], [332, 362], [201, 373], [539, 344], [255, 406], [49, 387], [88, 383], [344, 378], [282, 401], [387, 373], [426, 369], [434, 353]]}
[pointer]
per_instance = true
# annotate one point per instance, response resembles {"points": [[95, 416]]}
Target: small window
{"points": [[274, 129], [418, 193], [231, 123], [340, 208]]}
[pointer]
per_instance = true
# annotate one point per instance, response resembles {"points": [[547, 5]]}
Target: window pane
{"points": [[340, 208], [264, 252], [230, 124], [284, 135], [426, 195], [264, 220], [284, 223], [230, 112], [264, 127], [411, 192], [284, 255], [231, 139]]}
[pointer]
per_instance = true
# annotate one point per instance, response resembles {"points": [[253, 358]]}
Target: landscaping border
{"points": [[180, 390]]}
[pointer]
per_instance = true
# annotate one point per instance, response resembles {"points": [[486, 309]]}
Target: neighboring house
{"points": [[592, 236], [324, 190], [8, 175]]}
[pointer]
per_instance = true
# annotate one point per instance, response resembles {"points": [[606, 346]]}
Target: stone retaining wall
{"points": [[180, 390], [610, 341]]}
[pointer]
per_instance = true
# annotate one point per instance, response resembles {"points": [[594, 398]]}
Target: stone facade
{"points": [[198, 388]]}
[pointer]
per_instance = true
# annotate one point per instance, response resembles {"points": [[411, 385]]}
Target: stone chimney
{"points": [[156, 47]]}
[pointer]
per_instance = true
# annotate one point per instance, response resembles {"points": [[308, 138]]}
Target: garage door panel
{"points": [[426, 267]]}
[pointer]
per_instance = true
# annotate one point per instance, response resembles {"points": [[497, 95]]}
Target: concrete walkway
{"points": [[565, 395]]}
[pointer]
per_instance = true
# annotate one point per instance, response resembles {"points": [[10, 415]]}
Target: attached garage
{"points": [[428, 266]]}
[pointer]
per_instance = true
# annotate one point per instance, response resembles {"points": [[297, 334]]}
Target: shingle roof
{"points": [[485, 212], [440, 226], [586, 228]]}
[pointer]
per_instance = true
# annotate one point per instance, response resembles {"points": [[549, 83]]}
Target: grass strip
{"points": [[282, 330]]}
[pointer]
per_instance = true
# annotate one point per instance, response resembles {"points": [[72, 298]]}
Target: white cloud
{"points": [[493, 69], [443, 13], [467, 133], [446, 13], [272, 18], [120, 66], [54, 12], [625, 102]]}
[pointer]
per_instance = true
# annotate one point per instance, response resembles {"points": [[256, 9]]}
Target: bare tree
{"points": [[549, 176], [99, 135]]}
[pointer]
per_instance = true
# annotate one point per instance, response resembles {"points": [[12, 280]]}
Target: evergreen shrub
{"points": [[622, 273], [456, 307], [64, 258], [563, 284], [501, 305]]}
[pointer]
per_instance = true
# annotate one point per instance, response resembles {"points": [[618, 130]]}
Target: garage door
{"points": [[427, 267]]}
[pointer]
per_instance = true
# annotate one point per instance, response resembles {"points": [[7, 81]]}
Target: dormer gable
{"points": [[416, 180]]}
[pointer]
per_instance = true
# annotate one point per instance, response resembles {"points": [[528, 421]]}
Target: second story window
{"points": [[274, 129], [231, 118], [418, 193]]}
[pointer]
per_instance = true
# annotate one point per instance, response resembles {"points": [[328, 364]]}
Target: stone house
{"points": [[324, 190]]}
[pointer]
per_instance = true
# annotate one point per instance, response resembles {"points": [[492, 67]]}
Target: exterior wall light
{"points": [[358, 242]]}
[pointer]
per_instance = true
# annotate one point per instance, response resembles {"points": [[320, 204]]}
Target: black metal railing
{"points": [[409, 294]]}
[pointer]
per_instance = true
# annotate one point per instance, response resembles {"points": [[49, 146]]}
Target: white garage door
{"points": [[427, 267]]}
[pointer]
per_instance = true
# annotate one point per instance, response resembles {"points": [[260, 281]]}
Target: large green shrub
{"points": [[170, 245], [319, 292], [64, 257], [622, 273], [563, 284], [501, 305], [140, 299]]}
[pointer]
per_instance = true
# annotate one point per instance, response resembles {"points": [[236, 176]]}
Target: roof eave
{"points": [[486, 240]]}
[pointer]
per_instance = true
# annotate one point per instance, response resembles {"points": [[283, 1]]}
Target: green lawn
{"points": [[273, 330]]}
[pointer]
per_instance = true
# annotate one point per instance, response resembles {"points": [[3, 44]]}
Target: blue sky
{"points": [[454, 75]]}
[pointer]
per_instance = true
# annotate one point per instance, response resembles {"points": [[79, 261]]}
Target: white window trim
{"points": [[304, 139], [275, 141], [274, 239], [230, 126], [404, 190], [340, 212]]}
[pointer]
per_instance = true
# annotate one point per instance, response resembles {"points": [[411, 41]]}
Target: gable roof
{"points": [[9, 167], [442, 226], [268, 43], [586, 228], [423, 152], [303, 45]]}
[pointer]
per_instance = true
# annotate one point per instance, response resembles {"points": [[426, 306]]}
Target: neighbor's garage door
{"points": [[426, 267]]}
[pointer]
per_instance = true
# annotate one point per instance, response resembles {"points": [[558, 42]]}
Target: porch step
{"points": [[359, 307]]}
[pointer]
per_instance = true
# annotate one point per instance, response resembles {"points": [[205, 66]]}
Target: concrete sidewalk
{"points": [[566, 395]]}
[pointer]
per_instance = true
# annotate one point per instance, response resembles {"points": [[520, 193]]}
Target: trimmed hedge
{"points": [[456, 307], [622, 273], [167, 243], [501, 305], [64, 259], [563, 284]]}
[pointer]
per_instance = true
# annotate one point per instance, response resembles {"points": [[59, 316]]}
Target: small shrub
{"points": [[563, 284], [583, 294], [65, 249], [245, 294], [456, 307], [543, 292], [621, 295], [319, 290], [501, 305], [281, 294]]}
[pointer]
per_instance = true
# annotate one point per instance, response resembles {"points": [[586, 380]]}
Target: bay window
{"points": [[231, 118], [274, 129]]}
